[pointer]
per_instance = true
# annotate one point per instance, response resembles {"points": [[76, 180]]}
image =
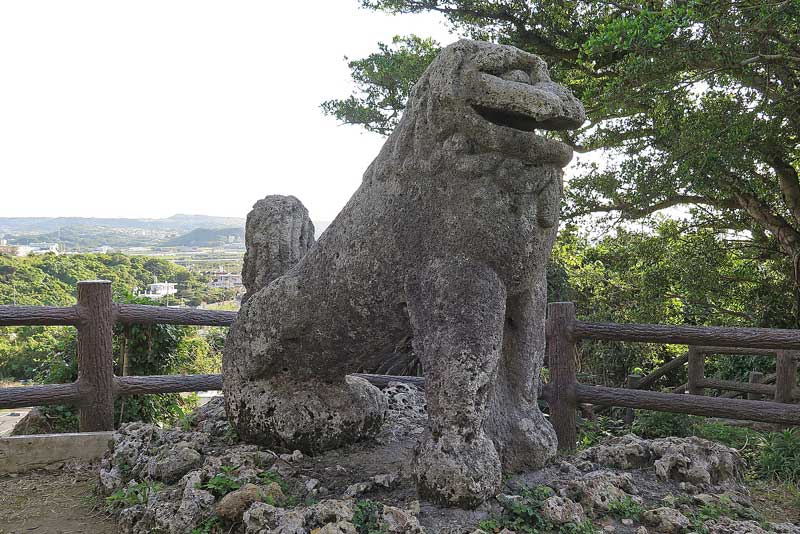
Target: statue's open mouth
{"points": [[519, 121], [509, 100]]}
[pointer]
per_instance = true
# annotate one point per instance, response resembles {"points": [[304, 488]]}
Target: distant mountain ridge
{"points": [[175, 223], [204, 237]]}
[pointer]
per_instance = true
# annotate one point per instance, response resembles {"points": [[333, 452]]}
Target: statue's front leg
{"points": [[457, 311], [523, 437]]}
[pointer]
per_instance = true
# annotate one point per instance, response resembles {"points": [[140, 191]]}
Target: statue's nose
{"points": [[572, 115]]}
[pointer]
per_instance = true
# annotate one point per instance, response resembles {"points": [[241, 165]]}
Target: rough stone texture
{"points": [[234, 504], [447, 242], [560, 510], [278, 233], [667, 520], [696, 462], [316, 487]]}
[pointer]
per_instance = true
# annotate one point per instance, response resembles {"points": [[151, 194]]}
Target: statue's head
{"points": [[494, 99]]}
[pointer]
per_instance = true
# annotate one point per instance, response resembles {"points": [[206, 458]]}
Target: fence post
{"points": [[696, 371], [561, 357], [95, 356], [785, 375], [755, 378], [631, 383]]}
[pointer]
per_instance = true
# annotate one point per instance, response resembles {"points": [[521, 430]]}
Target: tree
{"points": [[672, 275], [696, 103]]}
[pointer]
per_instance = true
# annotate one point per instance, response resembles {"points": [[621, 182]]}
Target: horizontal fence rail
{"points": [[94, 392], [564, 393], [39, 316], [94, 316], [756, 338]]}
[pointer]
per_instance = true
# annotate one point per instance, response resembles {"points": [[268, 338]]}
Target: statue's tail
{"points": [[279, 232]]}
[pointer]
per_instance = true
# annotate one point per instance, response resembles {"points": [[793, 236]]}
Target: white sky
{"points": [[151, 108]]}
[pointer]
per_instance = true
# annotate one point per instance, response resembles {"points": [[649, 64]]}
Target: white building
{"points": [[159, 290], [44, 248]]}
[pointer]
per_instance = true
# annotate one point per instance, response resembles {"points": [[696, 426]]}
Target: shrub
{"points": [[779, 457], [662, 424]]}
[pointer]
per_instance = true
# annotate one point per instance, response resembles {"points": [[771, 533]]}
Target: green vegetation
{"points": [[689, 103], [132, 495], [625, 508], [779, 456], [48, 354], [523, 515], [368, 517], [220, 485], [208, 526]]}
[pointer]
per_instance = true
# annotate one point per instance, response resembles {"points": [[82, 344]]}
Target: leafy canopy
{"points": [[692, 102]]}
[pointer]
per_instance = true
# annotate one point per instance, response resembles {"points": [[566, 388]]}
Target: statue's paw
{"points": [[454, 471], [310, 416], [525, 439]]}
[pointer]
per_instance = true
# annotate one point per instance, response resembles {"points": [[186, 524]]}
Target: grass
{"points": [[132, 495]]}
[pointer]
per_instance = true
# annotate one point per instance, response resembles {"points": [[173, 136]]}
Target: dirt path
{"points": [[57, 502]]}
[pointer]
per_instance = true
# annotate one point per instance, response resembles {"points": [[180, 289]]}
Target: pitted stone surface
{"points": [[278, 233], [695, 462], [447, 242]]}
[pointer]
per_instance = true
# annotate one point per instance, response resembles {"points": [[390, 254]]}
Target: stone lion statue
{"points": [[447, 241]]}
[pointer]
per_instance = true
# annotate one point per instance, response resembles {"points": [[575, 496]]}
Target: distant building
{"points": [[159, 290], [15, 250], [45, 248], [223, 280]]}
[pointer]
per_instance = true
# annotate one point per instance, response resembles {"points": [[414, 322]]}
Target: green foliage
{"points": [[591, 433], [384, 81], [672, 275], [48, 354], [132, 495], [650, 424], [273, 476], [779, 457], [221, 484], [625, 508], [208, 526], [689, 104], [584, 527], [368, 517], [521, 514]]}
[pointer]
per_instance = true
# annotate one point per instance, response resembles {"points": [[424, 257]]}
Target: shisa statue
{"points": [[447, 241]]}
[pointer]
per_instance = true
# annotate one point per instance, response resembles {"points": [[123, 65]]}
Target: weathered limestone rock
{"points": [[278, 233], [234, 504], [666, 519], [447, 241], [560, 510], [697, 462]]}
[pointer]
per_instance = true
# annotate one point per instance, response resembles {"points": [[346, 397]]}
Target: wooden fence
{"points": [[94, 316], [94, 392], [563, 393]]}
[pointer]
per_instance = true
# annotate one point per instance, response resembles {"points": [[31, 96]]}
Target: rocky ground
{"points": [[200, 479]]}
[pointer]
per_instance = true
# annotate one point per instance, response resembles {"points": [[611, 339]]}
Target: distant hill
{"points": [[89, 233], [176, 223], [204, 237]]}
